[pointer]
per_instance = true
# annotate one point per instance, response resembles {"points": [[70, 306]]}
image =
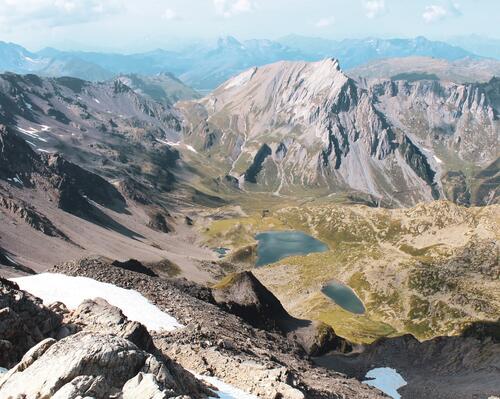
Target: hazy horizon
{"points": [[131, 26]]}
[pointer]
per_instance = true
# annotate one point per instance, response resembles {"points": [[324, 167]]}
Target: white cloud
{"points": [[434, 12], [170, 15], [325, 22], [374, 8], [229, 8], [55, 12]]}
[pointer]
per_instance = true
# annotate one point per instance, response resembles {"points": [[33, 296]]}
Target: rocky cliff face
{"points": [[292, 126], [461, 119]]}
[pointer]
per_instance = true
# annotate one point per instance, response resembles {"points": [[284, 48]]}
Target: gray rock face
{"points": [[24, 321], [98, 315], [461, 118]]}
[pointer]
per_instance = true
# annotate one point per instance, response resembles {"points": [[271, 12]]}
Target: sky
{"points": [[142, 25]]}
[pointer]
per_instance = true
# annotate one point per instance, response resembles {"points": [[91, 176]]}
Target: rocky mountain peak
{"points": [[228, 42]]}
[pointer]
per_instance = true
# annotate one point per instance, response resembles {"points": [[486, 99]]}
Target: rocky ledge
{"points": [[219, 344]]}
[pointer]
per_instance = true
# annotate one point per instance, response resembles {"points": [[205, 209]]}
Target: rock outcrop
{"points": [[100, 354], [243, 295], [88, 364], [24, 322]]}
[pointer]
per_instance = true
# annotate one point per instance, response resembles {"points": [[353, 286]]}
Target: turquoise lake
{"points": [[344, 296], [276, 245]]}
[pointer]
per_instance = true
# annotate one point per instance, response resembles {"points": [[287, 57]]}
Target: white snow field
{"points": [[387, 380], [72, 291], [225, 391]]}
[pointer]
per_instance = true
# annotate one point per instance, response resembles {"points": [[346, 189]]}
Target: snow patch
{"points": [[225, 391], [42, 150], [97, 101], [3, 370], [429, 151], [178, 144], [32, 132], [72, 291], [386, 379], [29, 59], [18, 180], [242, 79]]}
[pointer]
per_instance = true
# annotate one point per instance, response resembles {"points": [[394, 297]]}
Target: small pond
{"points": [[344, 296], [276, 245], [221, 251]]}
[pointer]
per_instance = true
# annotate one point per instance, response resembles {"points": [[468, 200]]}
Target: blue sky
{"points": [[140, 25]]}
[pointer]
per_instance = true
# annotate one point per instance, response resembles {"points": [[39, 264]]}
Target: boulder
{"points": [[97, 315]]}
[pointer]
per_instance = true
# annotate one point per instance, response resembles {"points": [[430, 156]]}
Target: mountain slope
{"points": [[110, 194], [293, 127], [16, 58], [164, 88]]}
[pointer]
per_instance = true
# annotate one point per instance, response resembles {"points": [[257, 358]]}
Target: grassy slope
{"points": [[426, 270]]}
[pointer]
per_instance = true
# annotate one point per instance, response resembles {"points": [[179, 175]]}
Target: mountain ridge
{"points": [[207, 65], [323, 128]]}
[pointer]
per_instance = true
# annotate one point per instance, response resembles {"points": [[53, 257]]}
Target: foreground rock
{"points": [[24, 322], [243, 295], [216, 343], [88, 364], [101, 354]]}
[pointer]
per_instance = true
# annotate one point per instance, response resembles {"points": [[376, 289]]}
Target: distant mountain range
{"points": [[206, 66], [428, 68], [480, 45]]}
